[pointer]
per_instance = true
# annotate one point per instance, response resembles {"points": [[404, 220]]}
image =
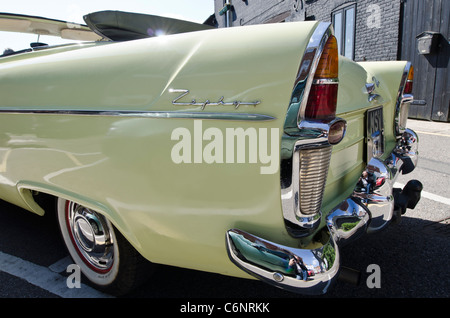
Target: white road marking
{"points": [[429, 195], [45, 278], [61, 265], [432, 133]]}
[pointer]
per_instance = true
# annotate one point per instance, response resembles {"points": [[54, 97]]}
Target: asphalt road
{"points": [[412, 256]]}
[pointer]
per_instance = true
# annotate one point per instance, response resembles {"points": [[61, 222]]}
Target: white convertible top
{"points": [[43, 26]]}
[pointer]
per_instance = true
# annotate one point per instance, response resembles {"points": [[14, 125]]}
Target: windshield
{"points": [[14, 42]]}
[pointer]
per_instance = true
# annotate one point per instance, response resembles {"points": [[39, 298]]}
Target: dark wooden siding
{"points": [[431, 78]]}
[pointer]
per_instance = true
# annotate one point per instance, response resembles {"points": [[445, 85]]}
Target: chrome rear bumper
{"points": [[270, 262], [369, 209]]}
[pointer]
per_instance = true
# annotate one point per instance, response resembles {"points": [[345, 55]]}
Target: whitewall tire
{"points": [[104, 256]]}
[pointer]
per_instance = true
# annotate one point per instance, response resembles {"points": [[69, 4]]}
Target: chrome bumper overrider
{"points": [[369, 209]]}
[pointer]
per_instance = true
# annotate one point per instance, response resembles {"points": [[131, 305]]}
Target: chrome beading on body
{"points": [[141, 114]]}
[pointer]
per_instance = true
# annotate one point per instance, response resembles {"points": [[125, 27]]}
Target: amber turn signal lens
{"points": [[329, 61], [409, 81], [322, 97], [411, 73]]}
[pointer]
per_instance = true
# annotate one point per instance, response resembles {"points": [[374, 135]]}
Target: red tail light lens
{"points": [[322, 101], [322, 97], [409, 81]]}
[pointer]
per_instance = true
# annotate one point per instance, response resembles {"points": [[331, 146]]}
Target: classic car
{"points": [[233, 150]]}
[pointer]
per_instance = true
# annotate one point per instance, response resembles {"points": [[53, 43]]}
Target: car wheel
{"points": [[104, 256]]}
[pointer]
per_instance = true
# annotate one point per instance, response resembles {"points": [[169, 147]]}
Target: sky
{"points": [[73, 11]]}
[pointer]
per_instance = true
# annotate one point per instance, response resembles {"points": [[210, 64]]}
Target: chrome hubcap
{"points": [[91, 236]]}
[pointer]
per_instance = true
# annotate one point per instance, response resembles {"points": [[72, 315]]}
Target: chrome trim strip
{"points": [[325, 81], [143, 114], [317, 44], [305, 74], [402, 105]]}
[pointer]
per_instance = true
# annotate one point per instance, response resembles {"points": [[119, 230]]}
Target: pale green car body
{"points": [[112, 150]]}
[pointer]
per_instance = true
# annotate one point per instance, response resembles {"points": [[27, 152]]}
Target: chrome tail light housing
{"points": [[311, 129], [404, 99]]}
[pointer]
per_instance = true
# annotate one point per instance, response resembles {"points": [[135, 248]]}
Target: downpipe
{"points": [[227, 11]]}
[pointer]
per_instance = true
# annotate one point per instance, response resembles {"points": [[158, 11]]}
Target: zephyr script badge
{"points": [[220, 102]]}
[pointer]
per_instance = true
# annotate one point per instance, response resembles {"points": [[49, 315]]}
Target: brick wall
{"points": [[253, 11], [377, 40], [377, 21]]}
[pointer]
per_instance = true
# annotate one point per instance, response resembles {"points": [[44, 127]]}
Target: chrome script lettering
{"points": [[220, 102]]}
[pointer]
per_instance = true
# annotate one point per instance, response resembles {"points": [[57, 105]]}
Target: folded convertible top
{"points": [[37, 25], [125, 26]]}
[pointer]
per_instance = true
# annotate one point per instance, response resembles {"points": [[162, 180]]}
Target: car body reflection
{"points": [[281, 263]]}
